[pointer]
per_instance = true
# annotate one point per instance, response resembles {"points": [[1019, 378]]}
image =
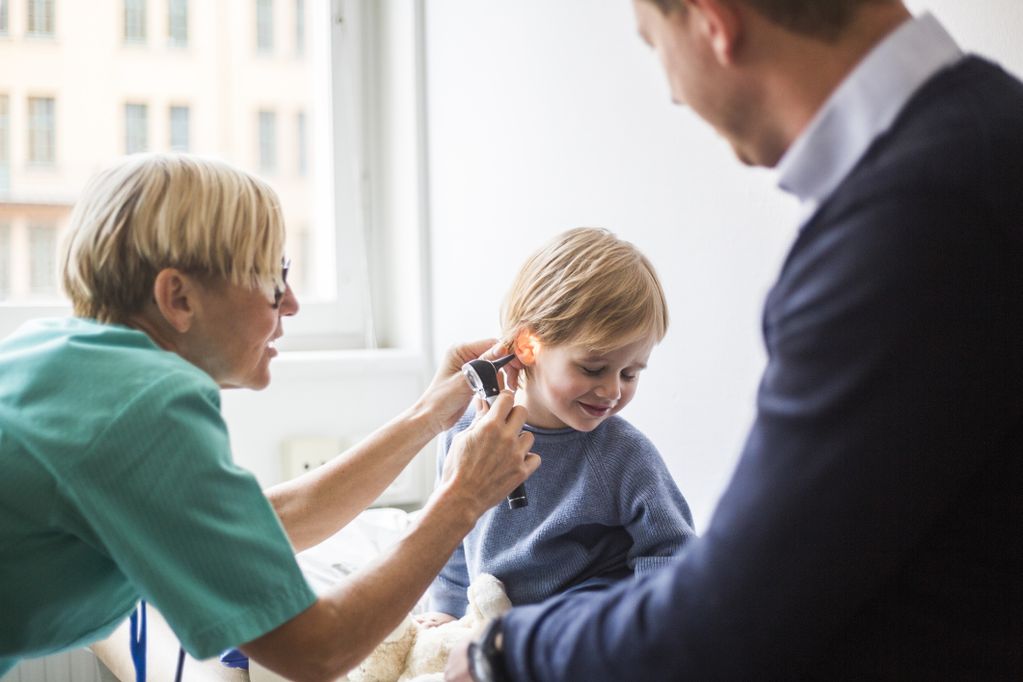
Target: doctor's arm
{"points": [[342, 628], [314, 506]]}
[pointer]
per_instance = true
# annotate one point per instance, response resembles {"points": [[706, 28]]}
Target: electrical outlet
{"points": [[303, 454]]}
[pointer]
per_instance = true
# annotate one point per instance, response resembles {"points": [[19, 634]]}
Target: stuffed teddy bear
{"points": [[415, 653]]}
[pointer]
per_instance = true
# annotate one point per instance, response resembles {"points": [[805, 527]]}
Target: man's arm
{"points": [[317, 504], [885, 393]]}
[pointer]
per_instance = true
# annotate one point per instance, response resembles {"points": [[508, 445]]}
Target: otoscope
{"points": [[482, 377]]}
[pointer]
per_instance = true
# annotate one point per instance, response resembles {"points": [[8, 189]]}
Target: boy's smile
{"points": [[571, 386]]}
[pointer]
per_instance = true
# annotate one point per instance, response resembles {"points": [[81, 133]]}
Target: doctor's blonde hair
{"points": [[586, 287], [154, 211]]}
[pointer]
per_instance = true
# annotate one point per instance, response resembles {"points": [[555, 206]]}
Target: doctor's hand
{"points": [[448, 395], [490, 458]]}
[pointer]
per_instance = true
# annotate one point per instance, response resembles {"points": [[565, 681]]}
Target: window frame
{"points": [[176, 126], [130, 121], [48, 134], [46, 27], [134, 25], [177, 23]]}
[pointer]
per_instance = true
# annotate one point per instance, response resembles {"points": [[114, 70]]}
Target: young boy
{"points": [[582, 317]]}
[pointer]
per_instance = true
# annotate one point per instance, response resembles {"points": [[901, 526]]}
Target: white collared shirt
{"points": [[863, 107]]}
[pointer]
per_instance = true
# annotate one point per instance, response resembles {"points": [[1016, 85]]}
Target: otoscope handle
{"points": [[482, 377], [517, 498]]}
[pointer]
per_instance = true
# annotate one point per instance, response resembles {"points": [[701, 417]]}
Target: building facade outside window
{"points": [[42, 131], [264, 26], [179, 128], [41, 18], [42, 242], [136, 128], [4, 19], [134, 21], [177, 23], [267, 141]]}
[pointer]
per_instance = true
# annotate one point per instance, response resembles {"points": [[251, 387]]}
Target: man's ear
{"points": [[720, 22], [174, 293], [525, 347]]}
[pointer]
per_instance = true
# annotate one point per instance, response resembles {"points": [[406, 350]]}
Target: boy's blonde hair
{"points": [[586, 287], [153, 211]]}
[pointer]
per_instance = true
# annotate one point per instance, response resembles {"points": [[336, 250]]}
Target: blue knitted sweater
{"points": [[602, 506]]}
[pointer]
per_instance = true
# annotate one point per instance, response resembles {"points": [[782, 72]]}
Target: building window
{"points": [[300, 27], [134, 21], [179, 131], [136, 128], [3, 18], [42, 131], [264, 26], [42, 244], [267, 141], [5, 145], [177, 23], [40, 18], [5, 261], [301, 143]]}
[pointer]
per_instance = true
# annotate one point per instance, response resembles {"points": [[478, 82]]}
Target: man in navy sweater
{"points": [[870, 530]]}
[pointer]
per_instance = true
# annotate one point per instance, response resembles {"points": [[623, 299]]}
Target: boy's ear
{"points": [[525, 346]]}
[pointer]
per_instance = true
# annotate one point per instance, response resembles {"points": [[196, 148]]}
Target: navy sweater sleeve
{"points": [[860, 527]]}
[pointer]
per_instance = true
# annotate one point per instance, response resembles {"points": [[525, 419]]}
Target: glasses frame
{"points": [[279, 291]]}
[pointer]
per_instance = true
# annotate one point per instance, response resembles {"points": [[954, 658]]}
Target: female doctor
{"points": [[118, 482]]}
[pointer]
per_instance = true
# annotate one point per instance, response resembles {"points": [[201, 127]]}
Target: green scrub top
{"points": [[116, 483]]}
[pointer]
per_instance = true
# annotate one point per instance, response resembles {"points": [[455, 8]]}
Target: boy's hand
{"points": [[433, 619]]}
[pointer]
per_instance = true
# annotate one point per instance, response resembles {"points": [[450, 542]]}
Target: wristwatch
{"points": [[486, 658]]}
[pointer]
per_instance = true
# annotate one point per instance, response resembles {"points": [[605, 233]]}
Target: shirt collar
{"points": [[863, 107]]}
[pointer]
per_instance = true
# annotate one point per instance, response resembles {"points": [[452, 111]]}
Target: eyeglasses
{"points": [[279, 291]]}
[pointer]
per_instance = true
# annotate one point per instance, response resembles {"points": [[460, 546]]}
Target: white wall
{"points": [[545, 115]]}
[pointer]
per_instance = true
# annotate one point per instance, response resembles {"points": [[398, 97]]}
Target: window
{"points": [[177, 23], [5, 145], [136, 128], [302, 161], [134, 21], [264, 26], [5, 261], [267, 141], [42, 132], [318, 163], [42, 243], [3, 18], [300, 27], [40, 17], [179, 132]]}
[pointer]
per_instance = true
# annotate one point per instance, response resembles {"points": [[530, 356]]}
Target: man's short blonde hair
{"points": [[154, 211], [586, 287]]}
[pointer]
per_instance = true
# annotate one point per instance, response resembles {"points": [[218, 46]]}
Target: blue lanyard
{"points": [[138, 642]]}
